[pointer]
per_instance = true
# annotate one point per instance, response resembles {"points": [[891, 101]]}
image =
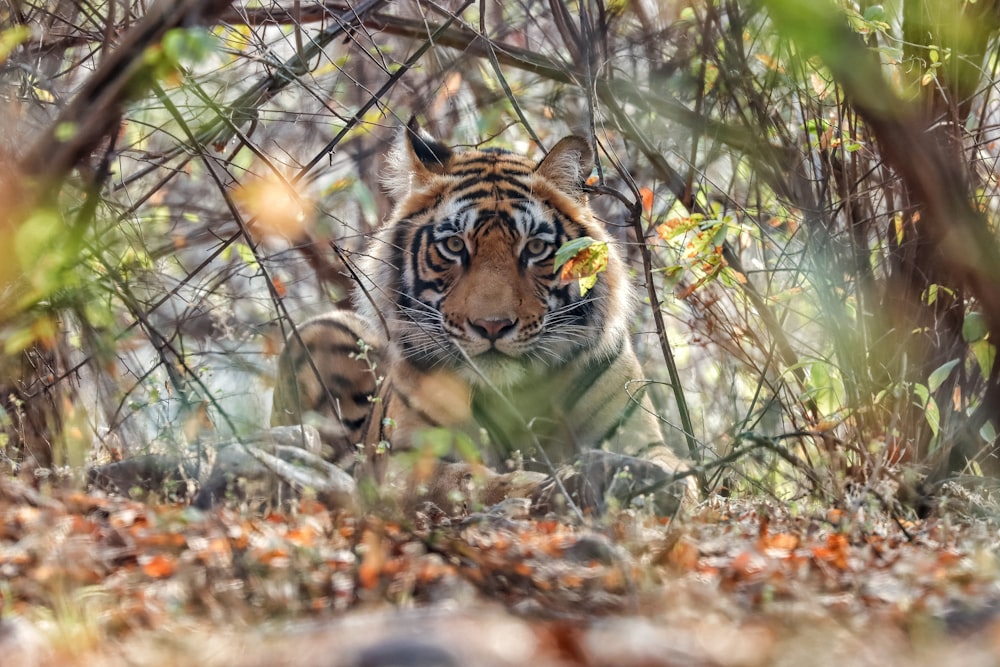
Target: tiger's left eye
{"points": [[454, 244], [536, 247]]}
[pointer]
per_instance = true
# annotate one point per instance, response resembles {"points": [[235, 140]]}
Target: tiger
{"points": [[462, 322]]}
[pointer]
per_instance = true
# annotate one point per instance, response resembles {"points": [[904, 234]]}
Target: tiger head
{"points": [[463, 271]]}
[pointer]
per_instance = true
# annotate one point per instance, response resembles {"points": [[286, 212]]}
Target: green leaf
{"points": [[17, 340], [434, 441], [816, 126], [922, 392], [188, 44], [465, 447], [933, 416], [571, 249], [444, 442], [11, 38], [934, 290], [66, 131], [246, 254], [941, 374], [875, 13], [719, 234], [37, 236], [985, 354], [988, 433], [826, 387], [974, 327]]}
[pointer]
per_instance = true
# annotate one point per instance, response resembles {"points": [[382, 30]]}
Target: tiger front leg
{"points": [[328, 373], [413, 402], [422, 446]]}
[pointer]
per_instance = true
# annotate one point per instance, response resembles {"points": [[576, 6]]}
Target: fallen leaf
{"points": [[158, 566]]}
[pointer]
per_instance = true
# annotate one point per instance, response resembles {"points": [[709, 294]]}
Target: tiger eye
{"points": [[536, 247], [454, 244]]}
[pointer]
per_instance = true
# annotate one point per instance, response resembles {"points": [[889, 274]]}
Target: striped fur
{"points": [[482, 336], [327, 379]]}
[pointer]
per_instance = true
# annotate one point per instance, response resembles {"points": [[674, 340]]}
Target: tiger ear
{"points": [[568, 164], [416, 159], [425, 151]]}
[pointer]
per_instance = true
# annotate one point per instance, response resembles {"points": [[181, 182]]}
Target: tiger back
{"points": [[481, 336]]}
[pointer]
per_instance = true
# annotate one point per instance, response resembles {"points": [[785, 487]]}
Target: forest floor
{"points": [[98, 581]]}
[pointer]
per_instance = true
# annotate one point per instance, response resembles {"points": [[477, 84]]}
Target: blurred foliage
{"points": [[756, 160]]}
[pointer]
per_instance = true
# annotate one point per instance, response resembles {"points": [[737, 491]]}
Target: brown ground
{"points": [[99, 581]]}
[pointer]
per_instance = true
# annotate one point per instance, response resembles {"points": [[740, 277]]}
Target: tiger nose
{"points": [[492, 329]]}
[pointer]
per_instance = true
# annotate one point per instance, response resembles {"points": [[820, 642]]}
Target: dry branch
{"points": [[123, 75]]}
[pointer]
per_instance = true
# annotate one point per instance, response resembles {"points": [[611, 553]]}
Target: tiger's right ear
{"points": [[416, 160], [568, 164]]}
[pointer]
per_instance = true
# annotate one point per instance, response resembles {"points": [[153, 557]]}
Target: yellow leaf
{"points": [[738, 276], [11, 38], [585, 265], [770, 62]]}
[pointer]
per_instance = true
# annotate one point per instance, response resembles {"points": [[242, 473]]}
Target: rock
{"points": [[138, 477], [405, 653], [276, 466]]}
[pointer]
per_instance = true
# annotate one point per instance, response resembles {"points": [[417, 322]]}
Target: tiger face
{"points": [[463, 273]]}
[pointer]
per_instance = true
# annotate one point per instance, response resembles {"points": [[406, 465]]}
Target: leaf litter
{"points": [[93, 580]]}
